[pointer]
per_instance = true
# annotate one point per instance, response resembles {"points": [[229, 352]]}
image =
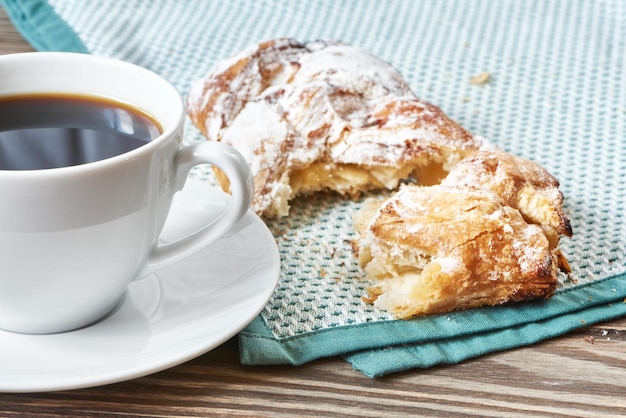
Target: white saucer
{"points": [[166, 319]]}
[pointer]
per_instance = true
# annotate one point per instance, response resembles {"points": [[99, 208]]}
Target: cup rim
{"points": [[97, 60]]}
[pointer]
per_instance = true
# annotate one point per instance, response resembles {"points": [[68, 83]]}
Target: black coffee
{"points": [[51, 131]]}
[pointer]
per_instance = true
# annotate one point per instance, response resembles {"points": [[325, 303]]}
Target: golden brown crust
{"points": [[467, 242], [437, 249], [482, 228], [520, 183], [323, 116]]}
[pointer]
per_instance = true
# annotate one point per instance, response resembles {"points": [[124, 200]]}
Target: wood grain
{"points": [[10, 39], [566, 376], [570, 376]]}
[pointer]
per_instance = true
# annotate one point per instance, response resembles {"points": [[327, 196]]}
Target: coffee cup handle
{"points": [[234, 165]]}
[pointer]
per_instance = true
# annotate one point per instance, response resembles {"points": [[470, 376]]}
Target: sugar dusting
{"points": [[329, 102]]}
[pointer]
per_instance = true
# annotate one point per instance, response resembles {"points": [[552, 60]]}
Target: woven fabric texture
{"points": [[556, 94]]}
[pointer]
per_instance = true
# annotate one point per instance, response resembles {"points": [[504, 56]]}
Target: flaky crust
{"points": [[468, 242], [520, 183], [482, 227], [323, 116]]}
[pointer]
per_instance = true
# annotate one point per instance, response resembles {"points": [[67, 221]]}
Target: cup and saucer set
{"points": [[114, 263], [176, 314]]}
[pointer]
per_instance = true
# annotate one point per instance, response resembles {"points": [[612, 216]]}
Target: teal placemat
{"points": [[556, 95]]}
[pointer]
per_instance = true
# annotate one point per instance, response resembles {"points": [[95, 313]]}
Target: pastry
{"points": [[520, 183], [481, 228], [323, 116], [486, 235]]}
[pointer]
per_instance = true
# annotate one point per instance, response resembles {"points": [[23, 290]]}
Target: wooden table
{"points": [[566, 376]]}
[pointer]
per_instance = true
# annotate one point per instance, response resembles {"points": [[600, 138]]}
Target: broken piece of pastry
{"points": [[486, 235], [323, 116], [520, 183], [482, 227]]}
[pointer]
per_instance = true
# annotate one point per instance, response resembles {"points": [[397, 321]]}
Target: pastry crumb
{"points": [[480, 79], [590, 339]]}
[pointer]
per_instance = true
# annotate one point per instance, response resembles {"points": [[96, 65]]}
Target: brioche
{"points": [[323, 116]]}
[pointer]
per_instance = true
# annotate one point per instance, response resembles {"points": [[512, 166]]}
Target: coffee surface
{"points": [[51, 131]]}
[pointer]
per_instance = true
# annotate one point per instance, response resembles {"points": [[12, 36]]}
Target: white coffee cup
{"points": [[73, 238]]}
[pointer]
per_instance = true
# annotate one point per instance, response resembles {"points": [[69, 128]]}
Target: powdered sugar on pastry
{"points": [[521, 183], [441, 248], [488, 234], [323, 116], [482, 227]]}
